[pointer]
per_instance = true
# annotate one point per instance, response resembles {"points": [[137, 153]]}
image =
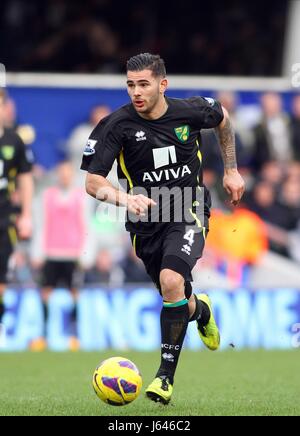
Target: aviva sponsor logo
{"points": [[165, 175], [164, 157]]}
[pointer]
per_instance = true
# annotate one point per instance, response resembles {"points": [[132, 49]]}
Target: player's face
{"points": [[145, 90]]}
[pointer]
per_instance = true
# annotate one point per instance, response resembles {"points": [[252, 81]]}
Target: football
{"points": [[117, 381]]}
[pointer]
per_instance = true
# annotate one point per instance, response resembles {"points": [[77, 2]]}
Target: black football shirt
{"points": [[15, 159], [162, 153]]}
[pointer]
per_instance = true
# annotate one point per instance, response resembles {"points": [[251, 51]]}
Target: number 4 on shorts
{"points": [[189, 236]]}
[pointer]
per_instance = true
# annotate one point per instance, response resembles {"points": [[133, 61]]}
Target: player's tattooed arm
{"points": [[233, 182], [225, 133]]}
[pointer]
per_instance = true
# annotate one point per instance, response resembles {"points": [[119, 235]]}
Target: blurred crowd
{"points": [[75, 234], [100, 35], [268, 146]]}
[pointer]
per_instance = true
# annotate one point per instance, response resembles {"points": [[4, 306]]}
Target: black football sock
{"points": [[45, 315], [73, 320], [202, 312], [1, 307], [174, 322]]}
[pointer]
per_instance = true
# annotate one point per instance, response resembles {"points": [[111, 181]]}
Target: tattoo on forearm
{"points": [[227, 143]]}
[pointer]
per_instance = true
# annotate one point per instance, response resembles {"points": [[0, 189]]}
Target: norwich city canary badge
{"points": [[183, 133]]}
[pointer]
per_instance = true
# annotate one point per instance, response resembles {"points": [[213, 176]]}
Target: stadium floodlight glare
{"points": [[2, 76]]}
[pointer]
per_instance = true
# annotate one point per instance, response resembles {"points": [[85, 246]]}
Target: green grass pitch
{"points": [[222, 383]]}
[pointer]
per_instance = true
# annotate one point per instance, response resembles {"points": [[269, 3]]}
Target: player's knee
{"points": [[172, 286]]}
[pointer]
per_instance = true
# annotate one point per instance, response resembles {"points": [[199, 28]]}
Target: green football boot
{"points": [[160, 390], [210, 333]]}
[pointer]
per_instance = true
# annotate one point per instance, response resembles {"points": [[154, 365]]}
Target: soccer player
{"points": [[15, 169], [156, 141], [60, 238]]}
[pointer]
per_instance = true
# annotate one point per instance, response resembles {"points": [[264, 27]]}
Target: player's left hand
{"points": [[24, 227], [234, 184]]}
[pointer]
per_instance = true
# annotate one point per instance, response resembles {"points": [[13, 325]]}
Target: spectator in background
{"points": [[277, 205], [273, 173], [290, 202], [75, 146], [103, 231], [262, 201], [295, 127], [20, 271], [90, 36], [272, 136], [133, 268], [239, 241], [83, 44], [10, 114], [279, 208], [79, 137], [59, 238], [105, 272], [243, 135], [25, 131], [293, 171]]}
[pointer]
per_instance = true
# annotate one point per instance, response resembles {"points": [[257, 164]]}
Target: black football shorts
{"points": [[175, 247], [57, 274]]}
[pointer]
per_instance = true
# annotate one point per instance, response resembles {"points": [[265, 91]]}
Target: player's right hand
{"points": [[234, 185], [139, 204]]}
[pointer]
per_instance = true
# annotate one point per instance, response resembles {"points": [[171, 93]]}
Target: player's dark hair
{"points": [[147, 61]]}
